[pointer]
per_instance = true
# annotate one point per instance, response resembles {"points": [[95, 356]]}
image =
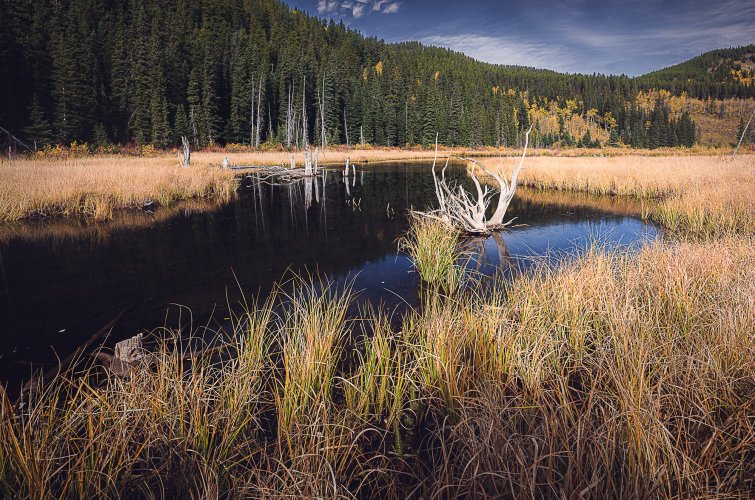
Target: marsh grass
{"points": [[700, 196], [610, 374], [97, 187], [614, 374], [436, 253]]}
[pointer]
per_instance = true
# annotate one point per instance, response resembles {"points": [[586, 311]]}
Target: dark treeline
{"points": [[256, 71]]}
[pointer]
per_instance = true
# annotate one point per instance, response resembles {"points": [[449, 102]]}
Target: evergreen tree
{"points": [[37, 131], [152, 71], [586, 140]]}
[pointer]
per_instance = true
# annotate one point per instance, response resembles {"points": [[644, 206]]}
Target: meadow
{"points": [[97, 187], [613, 374], [72, 182]]}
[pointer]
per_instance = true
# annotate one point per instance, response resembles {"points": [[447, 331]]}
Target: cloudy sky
{"points": [[604, 36]]}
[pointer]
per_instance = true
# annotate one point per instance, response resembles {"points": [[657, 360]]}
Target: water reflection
{"points": [[56, 292]]}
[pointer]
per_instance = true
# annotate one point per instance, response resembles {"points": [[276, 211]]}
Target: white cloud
{"points": [[356, 8], [327, 6], [392, 8]]}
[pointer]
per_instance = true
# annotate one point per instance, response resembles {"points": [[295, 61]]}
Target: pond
{"points": [[59, 288]]}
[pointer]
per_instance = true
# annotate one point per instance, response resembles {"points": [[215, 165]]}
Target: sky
{"points": [[631, 37]]}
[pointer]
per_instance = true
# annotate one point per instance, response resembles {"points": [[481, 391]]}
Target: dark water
{"points": [[56, 292]]}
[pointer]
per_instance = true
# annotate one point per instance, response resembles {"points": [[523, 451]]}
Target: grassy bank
{"points": [[614, 375], [700, 195], [97, 187]]}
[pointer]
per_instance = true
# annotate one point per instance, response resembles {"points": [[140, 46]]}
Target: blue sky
{"points": [[608, 36]]}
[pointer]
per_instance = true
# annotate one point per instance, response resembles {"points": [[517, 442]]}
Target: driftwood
{"points": [[457, 209], [127, 355], [744, 132]]}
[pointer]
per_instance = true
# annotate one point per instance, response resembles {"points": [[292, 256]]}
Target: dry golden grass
{"points": [[701, 194], [97, 186], [616, 375]]}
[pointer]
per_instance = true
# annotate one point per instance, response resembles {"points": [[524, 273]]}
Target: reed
{"points": [[97, 187], [435, 252], [615, 374]]}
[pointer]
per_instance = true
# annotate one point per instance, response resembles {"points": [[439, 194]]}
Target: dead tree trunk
{"points": [[323, 133], [308, 162], [458, 209], [259, 116], [744, 132], [184, 155], [346, 128]]}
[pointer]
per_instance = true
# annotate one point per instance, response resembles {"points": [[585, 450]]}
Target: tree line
{"points": [[256, 71]]}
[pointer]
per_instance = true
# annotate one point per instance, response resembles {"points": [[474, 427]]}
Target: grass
{"points": [[98, 187], [614, 374], [435, 252], [705, 196]]}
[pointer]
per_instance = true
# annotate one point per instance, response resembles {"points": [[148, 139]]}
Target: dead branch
{"points": [[460, 210]]}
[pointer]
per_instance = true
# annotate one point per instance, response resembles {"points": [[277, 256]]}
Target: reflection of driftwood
{"points": [[458, 209], [476, 245]]}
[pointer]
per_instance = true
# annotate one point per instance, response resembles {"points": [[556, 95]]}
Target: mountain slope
{"points": [[721, 73], [256, 71]]}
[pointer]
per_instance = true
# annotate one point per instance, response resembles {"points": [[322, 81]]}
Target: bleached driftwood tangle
{"points": [[462, 211]]}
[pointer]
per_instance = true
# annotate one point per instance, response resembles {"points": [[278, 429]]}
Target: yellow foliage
{"points": [[437, 76], [149, 151], [379, 68]]}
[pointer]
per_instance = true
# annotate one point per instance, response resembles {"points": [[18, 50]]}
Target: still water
{"points": [[58, 288]]}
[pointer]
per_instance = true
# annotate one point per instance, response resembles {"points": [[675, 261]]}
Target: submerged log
{"points": [[40, 379]]}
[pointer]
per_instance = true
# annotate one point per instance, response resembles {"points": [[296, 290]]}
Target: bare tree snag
{"points": [[308, 162], [184, 155], [744, 132], [460, 210]]}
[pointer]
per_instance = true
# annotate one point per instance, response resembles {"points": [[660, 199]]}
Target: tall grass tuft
{"points": [[434, 249]]}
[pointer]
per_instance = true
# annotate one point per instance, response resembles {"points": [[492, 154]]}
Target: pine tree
{"points": [[586, 140], [211, 102], [180, 125], [38, 129], [100, 137]]}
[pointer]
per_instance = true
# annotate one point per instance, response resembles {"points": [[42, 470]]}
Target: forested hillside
{"points": [[257, 71]]}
